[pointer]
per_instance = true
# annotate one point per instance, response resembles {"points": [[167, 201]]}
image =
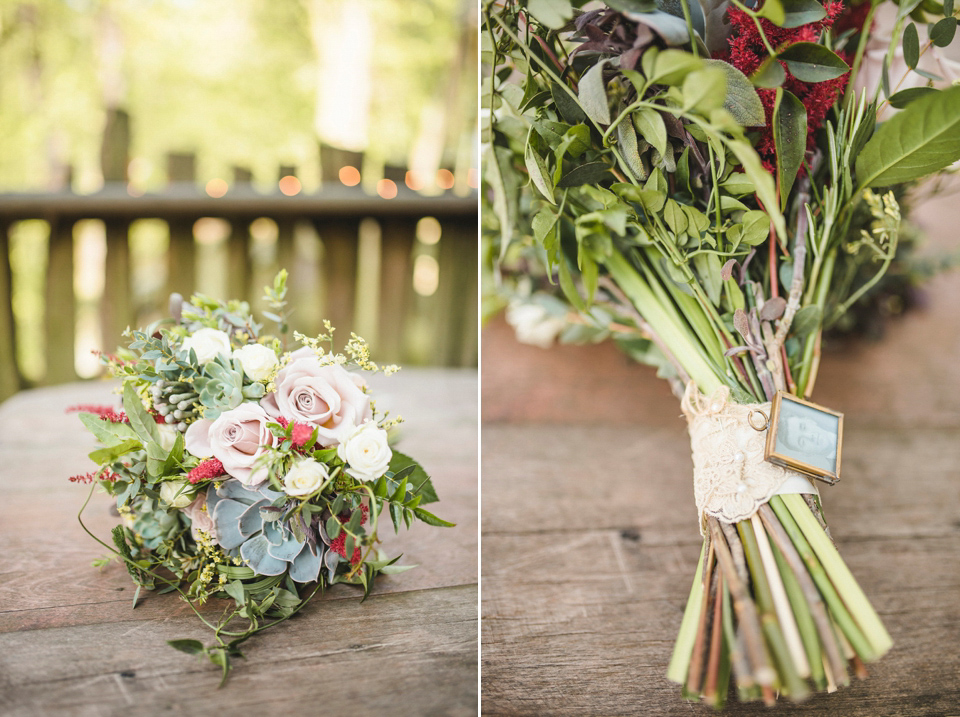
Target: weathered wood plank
{"points": [[340, 239], [10, 379], [396, 274], [408, 654], [457, 289], [116, 305], [60, 305]]}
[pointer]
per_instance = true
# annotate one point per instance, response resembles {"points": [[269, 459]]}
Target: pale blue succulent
{"points": [[154, 524], [245, 519]]}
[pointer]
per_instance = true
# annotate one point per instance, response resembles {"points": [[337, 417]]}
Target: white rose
{"points": [[176, 493], [207, 343], [533, 324], [168, 435], [366, 451], [257, 360], [304, 477]]}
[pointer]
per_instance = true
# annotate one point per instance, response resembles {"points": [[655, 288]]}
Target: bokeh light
{"points": [[387, 188], [445, 179], [216, 188], [289, 185], [349, 176]]}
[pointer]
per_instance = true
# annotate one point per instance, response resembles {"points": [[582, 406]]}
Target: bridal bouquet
{"points": [[712, 185], [243, 470]]}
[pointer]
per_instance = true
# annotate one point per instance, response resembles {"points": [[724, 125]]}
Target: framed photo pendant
{"points": [[805, 437]]}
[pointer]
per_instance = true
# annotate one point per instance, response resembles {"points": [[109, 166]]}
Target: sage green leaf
{"points": [[806, 320], [633, 5], [589, 173], [675, 217], [801, 12], [756, 227], [568, 287], [738, 184], [589, 274], [770, 74], [705, 90], [502, 182], [790, 138], [670, 67], [654, 192], [911, 46], [902, 98], [537, 170], [431, 519], [810, 62], [742, 100], [672, 29], [544, 233], [593, 94], [575, 141], [105, 431], [552, 13], [708, 268], [766, 188], [651, 127], [109, 454], [569, 109], [630, 149], [947, 8], [922, 138], [419, 481], [191, 647], [944, 31], [141, 422]]}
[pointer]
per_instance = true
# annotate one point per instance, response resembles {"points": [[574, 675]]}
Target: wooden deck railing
{"points": [[408, 327]]}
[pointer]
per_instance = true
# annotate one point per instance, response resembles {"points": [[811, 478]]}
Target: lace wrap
{"points": [[731, 479]]}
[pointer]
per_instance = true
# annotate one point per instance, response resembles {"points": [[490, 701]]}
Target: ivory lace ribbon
{"points": [[731, 479]]}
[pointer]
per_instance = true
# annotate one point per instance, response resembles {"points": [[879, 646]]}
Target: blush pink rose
{"points": [[327, 397], [237, 439], [200, 519]]}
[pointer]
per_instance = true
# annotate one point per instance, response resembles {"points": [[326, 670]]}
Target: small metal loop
{"points": [[754, 426]]}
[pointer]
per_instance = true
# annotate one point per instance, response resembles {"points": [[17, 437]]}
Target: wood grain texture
{"points": [[70, 644], [590, 543]]}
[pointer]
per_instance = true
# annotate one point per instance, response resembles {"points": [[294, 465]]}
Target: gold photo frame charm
{"points": [[805, 437]]}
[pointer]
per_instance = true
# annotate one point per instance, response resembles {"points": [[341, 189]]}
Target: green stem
{"points": [[683, 648]]}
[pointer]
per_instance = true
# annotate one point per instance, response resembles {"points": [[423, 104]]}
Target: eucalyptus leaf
{"points": [[717, 25], [671, 67], [801, 12], [922, 138], [790, 138], [811, 62], [742, 100], [773, 11], [944, 31], [911, 46], [901, 99]]}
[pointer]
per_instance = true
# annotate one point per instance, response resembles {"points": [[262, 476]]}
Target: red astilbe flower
{"points": [[208, 470], [92, 476], [339, 544], [107, 413], [747, 53]]}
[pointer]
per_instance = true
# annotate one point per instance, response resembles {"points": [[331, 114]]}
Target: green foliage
{"points": [[790, 136], [923, 138]]}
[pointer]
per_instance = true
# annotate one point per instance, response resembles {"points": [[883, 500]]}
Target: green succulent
{"points": [[155, 524], [220, 387]]}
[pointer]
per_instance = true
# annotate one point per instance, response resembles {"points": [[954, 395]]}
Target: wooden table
{"points": [[589, 528], [70, 644]]}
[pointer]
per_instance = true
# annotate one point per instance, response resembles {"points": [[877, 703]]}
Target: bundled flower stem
{"points": [[703, 193]]}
